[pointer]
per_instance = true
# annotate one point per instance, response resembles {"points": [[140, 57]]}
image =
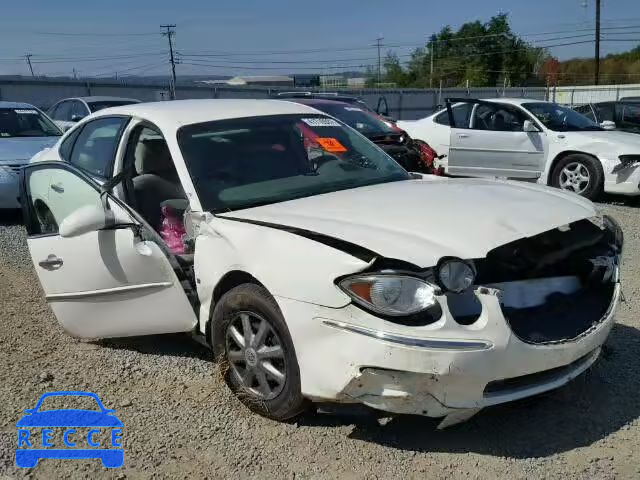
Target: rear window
{"points": [[356, 117], [26, 122]]}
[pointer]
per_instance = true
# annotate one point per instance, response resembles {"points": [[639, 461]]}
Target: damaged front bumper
{"points": [[445, 369]]}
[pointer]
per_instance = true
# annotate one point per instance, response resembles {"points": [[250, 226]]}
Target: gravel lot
{"points": [[180, 421]]}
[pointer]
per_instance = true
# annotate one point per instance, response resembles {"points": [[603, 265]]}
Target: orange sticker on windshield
{"points": [[331, 144]]}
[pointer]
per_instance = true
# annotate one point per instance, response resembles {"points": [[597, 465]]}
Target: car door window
{"points": [[461, 114], [63, 111], [94, 149], [52, 194], [606, 111], [586, 111], [79, 111], [495, 117]]}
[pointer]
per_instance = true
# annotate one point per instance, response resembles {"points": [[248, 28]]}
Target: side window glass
{"points": [[605, 112], [95, 147], [79, 111], [67, 144], [460, 115], [499, 118], [63, 111], [54, 193]]}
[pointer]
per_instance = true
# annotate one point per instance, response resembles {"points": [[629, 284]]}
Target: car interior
{"points": [[153, 178]]}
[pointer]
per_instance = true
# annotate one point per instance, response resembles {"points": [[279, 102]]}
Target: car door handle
{"points": [[51, 262], [463, 135], [57, 187]]}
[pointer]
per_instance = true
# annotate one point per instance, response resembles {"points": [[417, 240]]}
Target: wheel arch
{"points": [[228, 281], [563, 154]]}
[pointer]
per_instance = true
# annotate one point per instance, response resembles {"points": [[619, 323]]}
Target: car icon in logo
{"points": [[69, 433]]}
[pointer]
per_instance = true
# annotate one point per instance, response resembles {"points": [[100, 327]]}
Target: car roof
{"points": [[15, 105], [514, 101], [320, 101], [171, 115], [98, 98]]}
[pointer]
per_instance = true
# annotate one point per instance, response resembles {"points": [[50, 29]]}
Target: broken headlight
{"points": [[455, 275], [626, 161], [390, 294]]}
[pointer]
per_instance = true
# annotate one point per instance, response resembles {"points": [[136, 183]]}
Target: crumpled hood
{"points": [[20, 150], [421, 221]]}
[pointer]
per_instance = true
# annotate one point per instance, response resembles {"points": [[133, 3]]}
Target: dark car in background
{"points": [[397, 143], [624, 113]]}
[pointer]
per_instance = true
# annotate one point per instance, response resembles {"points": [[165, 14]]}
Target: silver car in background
{"points": [[24, 131], [69, 111]]}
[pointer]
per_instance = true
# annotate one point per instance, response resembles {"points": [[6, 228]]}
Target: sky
{"points": [[250, 36]]}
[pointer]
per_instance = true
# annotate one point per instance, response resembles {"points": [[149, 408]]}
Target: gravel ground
{"points": [[180, 421]]}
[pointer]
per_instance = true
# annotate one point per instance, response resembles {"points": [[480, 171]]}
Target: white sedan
{"points": [[531, 140], [306, 259]]}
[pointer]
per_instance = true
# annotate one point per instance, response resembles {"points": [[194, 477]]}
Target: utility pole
{"points": [[378, 44], [597, 53], [28, 57], [169, 33], [75, 74], [431, 52]]}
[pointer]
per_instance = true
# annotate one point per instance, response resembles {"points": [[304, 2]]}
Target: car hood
{"points": [[20, 150], [606, 142], [69, 418], [421, 221]]}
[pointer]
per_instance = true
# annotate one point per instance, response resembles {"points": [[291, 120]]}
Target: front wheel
{"points": [[256, 354], [579, 173]]}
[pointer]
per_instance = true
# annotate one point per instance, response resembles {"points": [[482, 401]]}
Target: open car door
{"points": [[494, 140], [113, 281]]}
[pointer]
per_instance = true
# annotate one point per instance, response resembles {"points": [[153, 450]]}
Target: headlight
{"points": [[455, 275], [392, 294]]}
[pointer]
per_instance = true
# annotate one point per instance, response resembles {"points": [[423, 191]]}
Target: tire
{"points": [[579, 163], [245, 370], [46, 219]]}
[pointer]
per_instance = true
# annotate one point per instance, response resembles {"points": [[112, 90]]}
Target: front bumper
{"points": [[8, 188], [449, 370], [623, 182]]}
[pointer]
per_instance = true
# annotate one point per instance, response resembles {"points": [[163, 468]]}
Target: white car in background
{"points": [[531, 140], [69, 111], [309, 263]]}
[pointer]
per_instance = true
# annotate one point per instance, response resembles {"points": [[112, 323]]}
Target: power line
{"points": [[169, 33]]}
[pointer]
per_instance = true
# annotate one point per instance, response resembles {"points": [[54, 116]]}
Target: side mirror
{"points": [[608, 125], [529, 126], [89, 218]]}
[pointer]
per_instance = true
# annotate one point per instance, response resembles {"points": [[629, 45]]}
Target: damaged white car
{"points": [[313, 264]]}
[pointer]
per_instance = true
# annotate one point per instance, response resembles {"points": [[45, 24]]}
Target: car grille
{"points": [[584, 252]]}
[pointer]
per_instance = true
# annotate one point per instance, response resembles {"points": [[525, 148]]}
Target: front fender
{"points": [[287, 265]]}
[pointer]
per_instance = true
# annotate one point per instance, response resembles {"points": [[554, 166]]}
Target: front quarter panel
{"points": [[287, 265]]}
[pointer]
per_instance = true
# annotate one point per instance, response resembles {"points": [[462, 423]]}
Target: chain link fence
{"points": [[402, 104]]}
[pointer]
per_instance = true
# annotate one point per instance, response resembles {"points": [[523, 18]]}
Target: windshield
{"points": [[95, 106], [26, 122], [356, 117], [243, 163], [560, 119]]}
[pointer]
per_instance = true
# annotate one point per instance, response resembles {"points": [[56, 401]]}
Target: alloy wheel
{"points": [[256, 355], [575, 177]]}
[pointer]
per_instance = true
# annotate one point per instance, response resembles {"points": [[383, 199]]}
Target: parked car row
{"points": [[310, 263], [531, 140]]}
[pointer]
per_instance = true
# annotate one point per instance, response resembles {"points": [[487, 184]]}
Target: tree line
{"points": [[490, 54]]}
